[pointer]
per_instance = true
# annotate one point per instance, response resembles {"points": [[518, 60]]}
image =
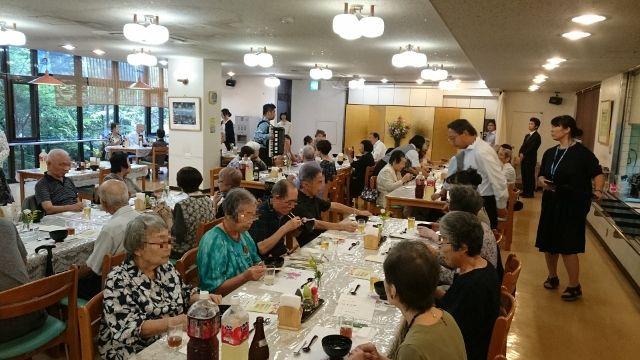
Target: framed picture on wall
{"points": [[184, 113], [604, 121]]}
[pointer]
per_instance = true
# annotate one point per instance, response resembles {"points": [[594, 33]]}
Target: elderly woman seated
{"points": [[504, 154], [228, 178], [227, 255], [474, 296], [120, 168], [189, 213], [390, 178], [144, 293], [466, 198], [411, 275]]}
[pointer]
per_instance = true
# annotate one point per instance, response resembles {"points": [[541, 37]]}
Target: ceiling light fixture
{"points": [[231, 73], [434, 74], [163, 62], [352, 24], [99, 52], [588, 19], [260, 58], [69, 47], [449, 85], [537, 80], [482, 84], [318, 73], [556, 60], [356, 83], [11, 36], [142, 58], [272, 81], [148, 31], [384, 80], [409, 57], [549, 66], [46, 79], [534, 87], [576, 35], [419, 81]]}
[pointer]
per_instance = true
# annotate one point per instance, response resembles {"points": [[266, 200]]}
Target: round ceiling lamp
{"points": [[260, 58], [319, 73], [352, 24], [142, 58], [449, 85], [272, 81], [409, 57], [10, 36], [148, 31], [434, 74], [326, 73], [357, 83], [251, 58]]}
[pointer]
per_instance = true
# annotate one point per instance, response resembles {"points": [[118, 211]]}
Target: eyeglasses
{"points": [[162, 245], [249, 217]]}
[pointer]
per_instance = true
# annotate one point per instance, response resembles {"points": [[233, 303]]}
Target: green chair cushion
{"points": [[80, 302], [31, 341]]}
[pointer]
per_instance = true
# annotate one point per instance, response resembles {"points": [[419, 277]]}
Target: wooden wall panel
{"points": [[475, 117], [419, 118], [356, 128], [441, 148]]}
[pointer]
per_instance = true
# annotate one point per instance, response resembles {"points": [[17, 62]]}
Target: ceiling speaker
{"points": [[231, 82], [555, 100]]}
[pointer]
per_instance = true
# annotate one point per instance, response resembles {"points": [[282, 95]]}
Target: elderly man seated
{"points": [[56, 193], [275, 220], [228, 178], [114, 199], [227, 255], [252, 154], [310, 207], [138, 136], [120, 170]]}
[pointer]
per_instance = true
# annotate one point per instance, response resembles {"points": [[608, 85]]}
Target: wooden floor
{"points": [[604, 324]]}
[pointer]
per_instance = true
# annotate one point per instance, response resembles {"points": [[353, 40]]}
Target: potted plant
{"points": [[398, 129]]}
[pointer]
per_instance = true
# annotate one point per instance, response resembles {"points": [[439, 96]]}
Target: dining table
{"points": [[346, 266], [405, 196], [267, 177], [134, 149]]}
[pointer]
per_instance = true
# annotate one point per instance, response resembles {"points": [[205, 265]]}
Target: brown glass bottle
{"points": [[259, 349]]}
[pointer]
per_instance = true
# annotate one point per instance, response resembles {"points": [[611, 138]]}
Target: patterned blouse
{"points": [[221, 258], [188, 214], [113, 140], [130, 298], [328, 170]]}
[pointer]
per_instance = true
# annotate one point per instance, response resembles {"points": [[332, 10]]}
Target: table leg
{"points": [[21, 180], [144, 183]]}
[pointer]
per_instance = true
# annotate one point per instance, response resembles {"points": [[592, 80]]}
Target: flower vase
{"points": [[26, 226], [396, 142]]}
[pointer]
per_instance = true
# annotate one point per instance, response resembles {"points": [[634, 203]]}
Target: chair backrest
{"points": [[102, 174], [109, 262], [373, 182], [89, 317], [368, 173], [214, 175], [499, 235], [188, 268], [41, 294], [203, 228], [498, 344], [512, 269]]}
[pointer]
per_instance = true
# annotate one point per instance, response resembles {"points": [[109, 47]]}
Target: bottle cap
{"points": [[203, 295]]}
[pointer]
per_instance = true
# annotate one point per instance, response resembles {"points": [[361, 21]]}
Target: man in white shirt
{"points": [[135, 136], [379, 148], [114, 198], [476, 153]]}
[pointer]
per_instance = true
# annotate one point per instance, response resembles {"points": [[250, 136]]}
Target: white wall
{"points": [[247, 98], [312, 110], [610, 89], [521, 106]]}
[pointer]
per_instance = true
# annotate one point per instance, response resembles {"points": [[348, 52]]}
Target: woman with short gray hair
{"points": [[143, 294], [227, 255]]}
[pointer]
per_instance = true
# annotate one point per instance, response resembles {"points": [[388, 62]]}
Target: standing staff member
{"points": [[229, 131], [565, 175], [262, 134], [529, 158]]}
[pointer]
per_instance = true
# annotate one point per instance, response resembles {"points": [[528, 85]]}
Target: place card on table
{"points": [[262, 306], [360, 273], [49, 228], [358, 307], [288, 280], [360, 336]]}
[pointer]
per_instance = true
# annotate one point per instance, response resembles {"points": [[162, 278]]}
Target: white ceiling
{"points": [[508, 41], [225, 30]]}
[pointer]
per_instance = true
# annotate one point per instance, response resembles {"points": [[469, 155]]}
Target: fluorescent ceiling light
{"points": [[575, 35], [99, 52], [534, 87], [539, 80], [550, 66], [588, 19], [384, 80], [68, 47], [556, 60]]}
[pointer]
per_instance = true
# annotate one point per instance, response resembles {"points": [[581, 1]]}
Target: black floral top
{"points": [[188, 214], [130, 298], [328, 170]]}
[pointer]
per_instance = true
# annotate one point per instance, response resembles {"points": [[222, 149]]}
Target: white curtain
{"points": [[501, 120]]}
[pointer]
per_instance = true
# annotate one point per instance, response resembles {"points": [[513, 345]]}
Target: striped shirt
{"points": [[58, 192]]}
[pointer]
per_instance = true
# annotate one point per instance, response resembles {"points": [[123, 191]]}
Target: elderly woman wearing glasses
{"points": [[143, 294], [227, 255]]}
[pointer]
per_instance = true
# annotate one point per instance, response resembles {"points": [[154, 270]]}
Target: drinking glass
{"points": [[346, 326], [324, 244], [86, 211], [269, 276], [361, 226], [411, 223], [373, 278], [174, 333]]}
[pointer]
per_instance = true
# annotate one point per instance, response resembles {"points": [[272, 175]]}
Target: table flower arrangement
{"points": [[398, 129], [27, 218]]}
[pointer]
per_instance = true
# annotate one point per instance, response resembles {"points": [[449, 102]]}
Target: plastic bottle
{"points": [[243, 166], [419, 186], [42, 157], [259, 349], [256, 173], [431, 186], [248, 172], [202, 328], [235, 332]]}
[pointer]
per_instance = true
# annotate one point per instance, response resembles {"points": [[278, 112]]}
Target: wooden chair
{"points": [[214, 175], [507, 226], [372, 207], [109, 262], [102, 174], [159, 155], [500, 357], [512, 269], [498, 344], [39, 295], [89, 317], [203, 228], [499, 235], [188, 268]]}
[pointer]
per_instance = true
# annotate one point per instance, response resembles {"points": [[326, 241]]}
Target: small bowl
{"points": [[379, 287], [58, 235], [362, 217], [336, 346], [94, 167], [275, 262]]}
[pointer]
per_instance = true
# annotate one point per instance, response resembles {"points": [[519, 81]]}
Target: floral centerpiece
{"points": [[398, 129], [27, 217], [317, 273]]}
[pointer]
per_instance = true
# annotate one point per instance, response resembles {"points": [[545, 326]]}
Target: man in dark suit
{"points": [[529, 158]]}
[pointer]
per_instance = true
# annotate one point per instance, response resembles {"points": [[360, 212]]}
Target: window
{"points": [[97, 120], [155, 119], [19, 61], [3, 107], [56, 122], [96, 68], [22, 111], [129, 117], [129, 72], [24, 157], [57, 63]]}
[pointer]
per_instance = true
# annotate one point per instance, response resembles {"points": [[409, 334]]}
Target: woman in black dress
{"points": [[360, 167], [565, 175]]}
